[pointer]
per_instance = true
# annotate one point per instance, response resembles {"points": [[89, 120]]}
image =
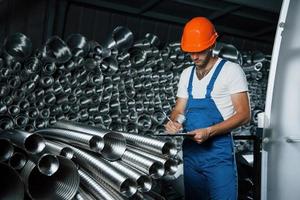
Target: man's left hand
{"points": [[200, 135]]}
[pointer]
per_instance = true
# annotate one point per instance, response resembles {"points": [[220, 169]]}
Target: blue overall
{"points": [[209, 168]]}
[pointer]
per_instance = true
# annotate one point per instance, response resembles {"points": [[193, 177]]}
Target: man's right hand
{"points": [[173, 127]]}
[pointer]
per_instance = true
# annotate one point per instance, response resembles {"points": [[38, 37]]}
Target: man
{"points": [[214, 99]]}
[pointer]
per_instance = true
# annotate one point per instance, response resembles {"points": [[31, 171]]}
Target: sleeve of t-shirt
{"points": [[236, 81], [183, 84]]}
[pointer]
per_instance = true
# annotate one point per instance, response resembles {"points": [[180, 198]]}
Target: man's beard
{"points": [[204, 63]]}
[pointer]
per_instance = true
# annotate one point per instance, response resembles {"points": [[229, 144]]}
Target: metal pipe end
{"points": [[96, 144], [67, 153], [171, 166], [157, 170], [34, 143], [128, 187], [61, 185], [114, 146], [6, 150], [17, 161], [48, 164], [169, 149], [144, 183], [258, 66]]}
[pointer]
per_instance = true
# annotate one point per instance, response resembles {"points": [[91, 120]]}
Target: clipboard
{"points": [[174, 134]]}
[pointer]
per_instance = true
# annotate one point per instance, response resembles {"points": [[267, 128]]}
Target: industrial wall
{"points": [[39, 19]]}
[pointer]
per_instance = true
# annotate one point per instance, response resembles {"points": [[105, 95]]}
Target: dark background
{"points": [[249, 25]]}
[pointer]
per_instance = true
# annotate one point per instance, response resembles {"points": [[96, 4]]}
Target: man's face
{"points": [[201, 59]]}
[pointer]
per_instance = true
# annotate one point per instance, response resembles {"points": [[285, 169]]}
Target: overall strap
{"points": [[212, 81], [190, 87]]}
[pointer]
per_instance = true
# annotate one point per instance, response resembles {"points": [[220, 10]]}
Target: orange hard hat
{"points": [[198, 35]]}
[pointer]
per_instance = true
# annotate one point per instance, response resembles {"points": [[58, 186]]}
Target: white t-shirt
{"points": [[230, 80]]}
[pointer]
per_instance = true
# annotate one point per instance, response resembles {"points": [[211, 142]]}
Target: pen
{"points": [[167, 116], [173, 121]]}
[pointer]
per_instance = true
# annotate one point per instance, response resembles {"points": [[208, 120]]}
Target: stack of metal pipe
{"points": [[75, 160], [123, 85], [26, 162]]}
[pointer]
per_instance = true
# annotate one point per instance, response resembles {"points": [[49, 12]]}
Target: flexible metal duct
{"points": [[56, 50], [17, 47], [84, 140], [6, 150], [123, 57], [114, 143], [15, 65], [31, 142], [117, 195], [95, 79], [170, 165], [21, 121], [11, 184], [6, 123], [29, 128], [109, 43], [47, 164], [90, 64], [3, 108], [31, 66], [255, 113], [24, 104], [109, 65], [93, 187], [46, 81], [62, 185], [7, 100], [158, 117], [18, 160], [82, 195], [103, 169], [151, 167], [138, 56], [40, 123], [217, 49], [14, 82], [142, 43], [123, 38], [57, 88], [17, 94], [78, 44], [5, 72], [253, 68], [153, 39], [155, 145], [132, 128], [143, 181], [150, 196], [258, 56], [99, 51], [32, 113], [144, 122], [228, 52], [49, 68], [58, 149]]}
